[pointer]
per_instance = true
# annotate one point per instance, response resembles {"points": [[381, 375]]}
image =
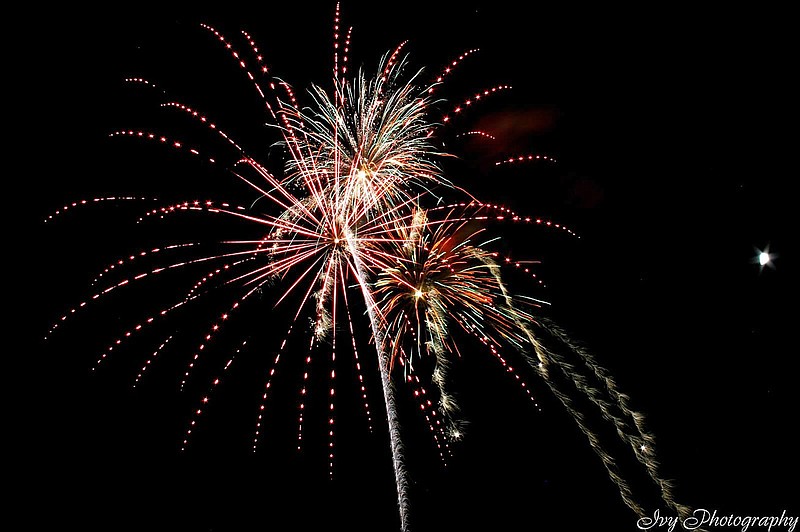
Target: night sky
{"points": [[673, 131]]}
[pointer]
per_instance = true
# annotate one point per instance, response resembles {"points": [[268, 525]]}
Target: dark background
{"points": [[673, 129]]}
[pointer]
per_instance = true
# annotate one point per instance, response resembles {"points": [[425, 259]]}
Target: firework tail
{"points": [[396, 444], [542, 363], [614, 406]]}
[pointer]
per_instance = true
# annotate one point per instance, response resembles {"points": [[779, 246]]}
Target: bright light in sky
{"points": [[764, 257]]}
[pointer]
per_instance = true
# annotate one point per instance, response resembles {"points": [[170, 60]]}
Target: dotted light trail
{"points": [[205, 400], [502, 213], [211, 333], [128, 260], [145, 82], [526, 158], [393, 59], [361, 383], [430, 414], [303, 396], [86, 202], [208, 206], [150, 360], [205, 120], [135, 279], [152, 136], [132, 331], [478, 133], [235, 54], [449, 68], [267, 386], [459, 109]]}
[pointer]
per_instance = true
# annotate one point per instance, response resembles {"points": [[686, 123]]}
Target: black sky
{"points": [[673, 131]]}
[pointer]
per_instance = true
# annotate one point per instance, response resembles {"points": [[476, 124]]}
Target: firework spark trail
{"points": [[259, 58], [235, 54], [263, 69], [304, 394], [580, 419], [332, 418], [268, 382], [135, 329], [393, 59], [446, 405], [520, 266], [199, 411], [495, 351], [146, 83], [457, 110], [336, 18], [215, 273], [362, 385], [160, 314], [84, 203], [164, 140], [150, 360], [504, 214], [384, 364], [397, 352], [345, 57], [132, 280], [449, 68], [267, 385], [641, 442], [428, 412], [541, 363], [131, 258], [482, 134], [204, 119], [185, 206], [215, 328], [522, 158]]}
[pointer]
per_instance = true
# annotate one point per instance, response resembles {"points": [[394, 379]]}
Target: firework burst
{"points": [[357, 211], [442, 275]]}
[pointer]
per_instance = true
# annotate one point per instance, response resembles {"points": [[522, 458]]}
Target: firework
{"points": [[441, 275], [444, 276], [356, 212]]}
